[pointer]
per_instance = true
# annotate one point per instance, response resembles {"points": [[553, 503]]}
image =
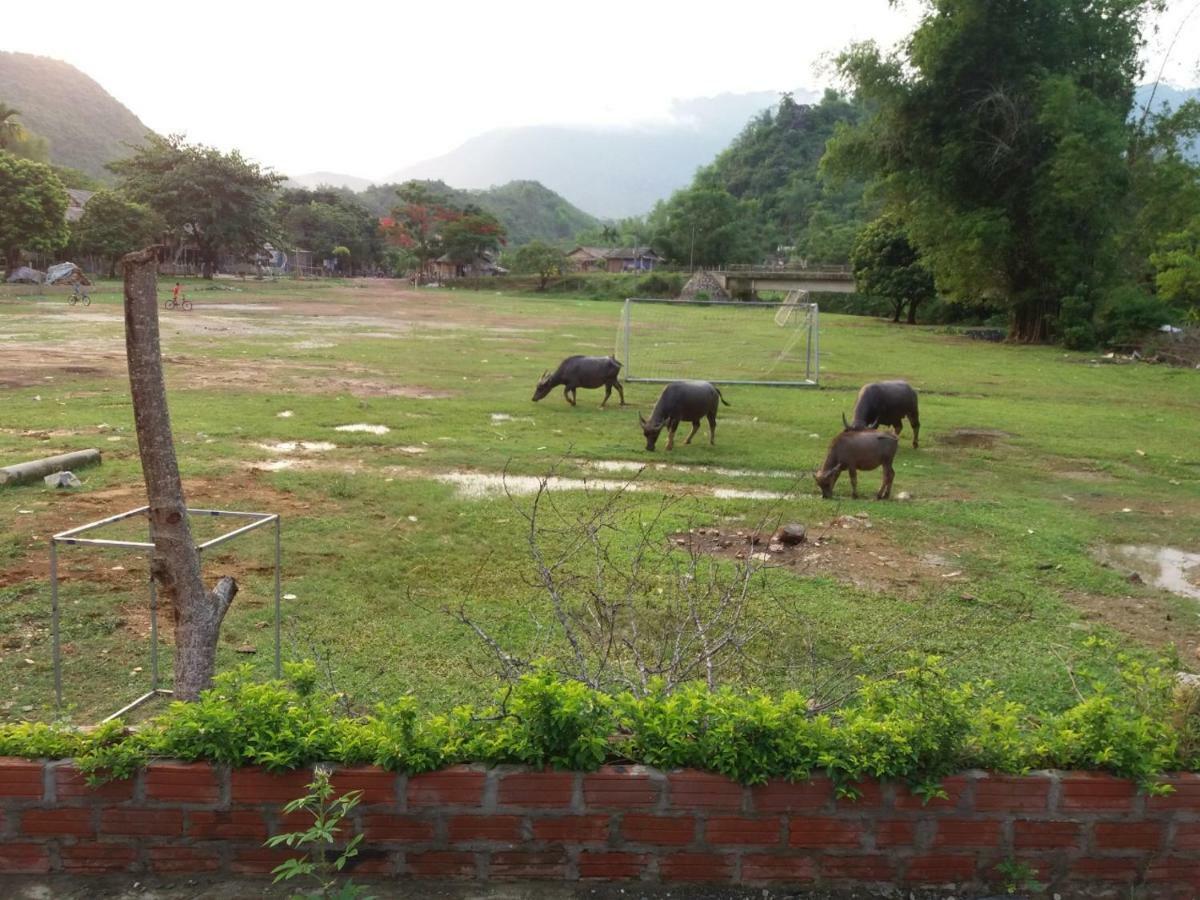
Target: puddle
{"points": [[298, 446], [313, 345], [275, 465], [484, 485], [736, 494], [414, 450], [285, 414], [1173, 570], [497, 418], [622, 465], [362, 427]]}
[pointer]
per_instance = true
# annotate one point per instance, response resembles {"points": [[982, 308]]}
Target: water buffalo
{"points": [[858, 449], [683, 401], [887, 403], [576, 372]]}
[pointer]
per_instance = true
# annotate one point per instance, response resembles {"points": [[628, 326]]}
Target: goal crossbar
{"points": [[804, 313]]}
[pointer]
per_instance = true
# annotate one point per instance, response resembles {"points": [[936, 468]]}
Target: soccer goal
{"points": [[723, 341]]}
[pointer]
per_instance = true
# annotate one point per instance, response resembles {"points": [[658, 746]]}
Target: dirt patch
{"points": [[973, 437], [848, 549], [1150, 621]]}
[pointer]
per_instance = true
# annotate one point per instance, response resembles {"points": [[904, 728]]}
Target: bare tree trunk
{"points": [[175, 561]]}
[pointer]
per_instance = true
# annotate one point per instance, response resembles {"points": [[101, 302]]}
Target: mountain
{"points": [[528, 210], [609, 172], [86, 126], [314, 180]]}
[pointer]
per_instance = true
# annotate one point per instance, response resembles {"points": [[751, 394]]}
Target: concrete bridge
{"points": [[746, 281]]}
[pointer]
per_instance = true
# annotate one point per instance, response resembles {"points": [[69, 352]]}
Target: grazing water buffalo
{"points": [[576, 372], [683, 401], [858, 449], [886, 403]]}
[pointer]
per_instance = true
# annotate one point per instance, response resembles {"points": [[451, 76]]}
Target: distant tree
{"points": [[221, 202], [327, 218], [886, 265], [1177, 265], [33, 209], [112, 225], [10, 128], [610, 235], [539, 258], [418, 223], [20, 141], [471, 234], [705, 227]]}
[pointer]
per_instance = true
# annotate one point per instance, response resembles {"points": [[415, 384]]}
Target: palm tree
{"points": [[609, 234], [9, 129]]}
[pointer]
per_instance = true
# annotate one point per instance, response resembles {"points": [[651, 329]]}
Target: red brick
{"points": [[1086, 792], [370, 861], [441, 864], [458, 786], [951, 833], [226, 825], [740, 830], [868, 795], [183, 859], [536, 789], [695, 867], [1175, 868], [1186, 794], [301, 820], [1009, 793], [382, 827], [571, 829], [1119, 869], [1187, 836], [377, 786], [620, 787], [77, 822], [24, 859], [528, 864], [786, 796], [954, 788], [87, 859], [858, 868], [662, 830], [153, 822], [1046, 835], [20, 778], [261, 860], [258, 787], [703, 790], [820, 833], [70, 784], [895, 833], [1128, 835], [940, 869], [759, 867], [485, 828], [598, 864], [182, 783]]}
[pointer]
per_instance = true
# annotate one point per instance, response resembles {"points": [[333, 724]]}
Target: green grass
{"points": [[1018, 520]]}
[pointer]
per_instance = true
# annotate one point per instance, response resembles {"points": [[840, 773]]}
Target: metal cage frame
{"points": [[70, 537], [812, 359]]}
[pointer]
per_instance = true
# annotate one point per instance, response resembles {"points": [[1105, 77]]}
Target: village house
{"points": [[445, 267], [609, 259], [588, 259]]}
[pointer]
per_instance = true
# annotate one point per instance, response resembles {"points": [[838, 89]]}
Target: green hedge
{"points": [[916, 726]]}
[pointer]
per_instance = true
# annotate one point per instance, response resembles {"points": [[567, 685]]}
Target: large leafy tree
{"points": [[999, 130], [10, 128], [471, 234], [705, 227], [112, 225], [886, 265], [417, 222], [541, 259], [326, 219], [220, 202], [33, 208]]}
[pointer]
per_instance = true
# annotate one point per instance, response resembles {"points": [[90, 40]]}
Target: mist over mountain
{"points": [[85, 125]]}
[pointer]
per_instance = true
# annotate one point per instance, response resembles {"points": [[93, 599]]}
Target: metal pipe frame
{"points": [[69, 538]]}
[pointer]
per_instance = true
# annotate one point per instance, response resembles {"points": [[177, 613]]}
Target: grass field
{"points": [[992, 563]]}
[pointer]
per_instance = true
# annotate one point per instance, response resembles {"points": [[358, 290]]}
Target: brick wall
{"points": [[1080, 831]]}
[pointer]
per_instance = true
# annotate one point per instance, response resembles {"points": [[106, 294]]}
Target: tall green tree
{"points": [[541, 259], [999, 131], [112, 225], [471, 234], [220, 202], [325, 219], [33, 209], [704, 227], [10, 128], [886, 265]]}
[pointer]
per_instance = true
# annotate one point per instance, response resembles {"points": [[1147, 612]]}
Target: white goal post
{"points": [[722, 341]]}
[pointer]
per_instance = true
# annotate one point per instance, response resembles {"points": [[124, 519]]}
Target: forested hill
{"points": [[85, 125], [528, 210], [766, 191]]}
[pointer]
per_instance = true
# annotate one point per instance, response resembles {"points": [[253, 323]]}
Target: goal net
{"points": [[723, 341]]}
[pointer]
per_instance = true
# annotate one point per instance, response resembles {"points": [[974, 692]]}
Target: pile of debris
{"points": [[706, 284], [66, 273], [26, 275]]}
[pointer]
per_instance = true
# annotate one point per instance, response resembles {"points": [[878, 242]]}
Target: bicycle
{"points": [[79, 297], [183, 302]]}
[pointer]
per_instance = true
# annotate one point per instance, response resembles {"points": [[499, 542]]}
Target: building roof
{"points": [[596, 252], [632, 253]]}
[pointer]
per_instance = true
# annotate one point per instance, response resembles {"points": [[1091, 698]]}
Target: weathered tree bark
{"points": [[175, 561]]}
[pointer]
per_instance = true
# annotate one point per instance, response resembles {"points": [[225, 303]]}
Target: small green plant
{"points": [[1019, 877], [321, 865]]}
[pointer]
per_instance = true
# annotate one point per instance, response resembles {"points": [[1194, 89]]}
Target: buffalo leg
{"points": [[607, 394], [695, 428], [853, 482], [916, 427], [568, 393], [620, 391], [671, 426], [712, 429], [898, 426], [885, 489]]}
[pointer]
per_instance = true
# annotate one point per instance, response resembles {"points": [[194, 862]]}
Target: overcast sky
{"points": [[365, 88]]}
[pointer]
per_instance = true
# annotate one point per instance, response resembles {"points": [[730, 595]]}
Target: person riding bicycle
{"points": [[175, 293]]}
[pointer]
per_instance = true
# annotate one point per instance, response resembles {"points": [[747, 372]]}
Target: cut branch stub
{"points": [[175, 561]]}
